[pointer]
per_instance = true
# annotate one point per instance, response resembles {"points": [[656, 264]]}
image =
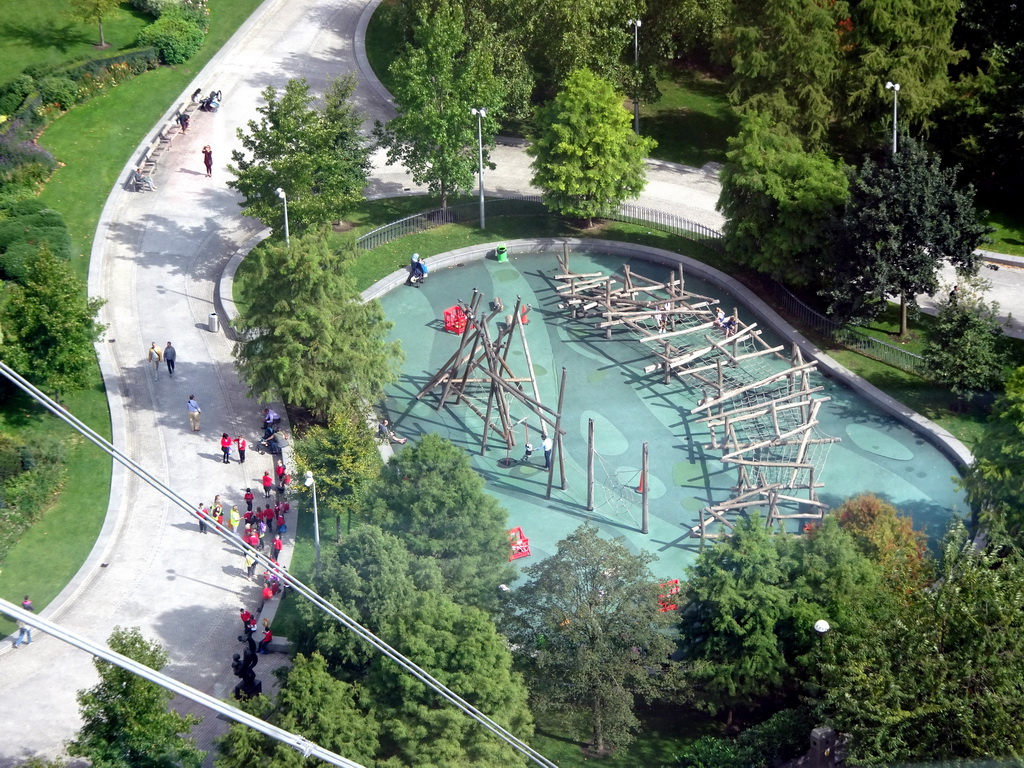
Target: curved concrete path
{"points": [[156, 260]]}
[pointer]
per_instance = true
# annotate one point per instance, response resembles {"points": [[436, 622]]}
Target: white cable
{"points": [[361, 631], [306, 747]]}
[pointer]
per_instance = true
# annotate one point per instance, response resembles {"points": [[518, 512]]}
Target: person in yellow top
{"points": [[234, 518], [155, 357]]}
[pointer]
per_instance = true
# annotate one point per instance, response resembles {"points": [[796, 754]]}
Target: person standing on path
{"points": [[208, 160], [203, 514], [547, 445], [193, 413], [246, 618], [234, 518], [248, 499], [242, 445], [169, 357], [155, 357], [250, 564], [268, 484], [225, 447], [278, 545]]}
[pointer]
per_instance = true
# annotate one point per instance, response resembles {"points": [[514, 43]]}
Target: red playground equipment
{"points": [[520, 544], [667, 600], [455, 320]]}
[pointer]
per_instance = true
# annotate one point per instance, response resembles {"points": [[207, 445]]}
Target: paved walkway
{"points": [[156, 261]]}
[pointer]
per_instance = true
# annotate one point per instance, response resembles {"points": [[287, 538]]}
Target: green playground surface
{"points": [[605, 383]]}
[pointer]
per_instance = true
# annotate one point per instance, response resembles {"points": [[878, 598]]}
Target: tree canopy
{"points": [[318, 157], [439, 78], [906, 217], [586, 158], [49, 326], [126, 723], [590, 635], [312, 704], [782, 204], [307, 335], [432, 499]]}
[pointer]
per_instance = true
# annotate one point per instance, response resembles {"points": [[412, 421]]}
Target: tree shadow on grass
{"points": [[61, 36]]}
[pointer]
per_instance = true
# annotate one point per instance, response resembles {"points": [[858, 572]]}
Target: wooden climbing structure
{"points": [[759, 405], [479, 376]]}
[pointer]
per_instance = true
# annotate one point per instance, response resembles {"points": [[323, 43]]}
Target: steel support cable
{"points": [[294, 740], [328, 608]]}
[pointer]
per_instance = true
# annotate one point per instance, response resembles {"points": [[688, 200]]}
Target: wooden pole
{"points": [[557, 441], [590, 465], [645, 512]]}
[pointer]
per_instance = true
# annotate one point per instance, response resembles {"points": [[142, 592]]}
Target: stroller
{"points": [[211, 103]]}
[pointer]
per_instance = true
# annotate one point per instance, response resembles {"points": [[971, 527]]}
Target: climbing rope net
{"points": [[759, 406]]}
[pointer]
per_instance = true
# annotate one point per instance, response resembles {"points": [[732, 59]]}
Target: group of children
{"points": [[249, 627], [727, 324]]}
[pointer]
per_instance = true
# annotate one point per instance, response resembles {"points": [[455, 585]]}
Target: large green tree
{"points": [[782, 204], [317, 156], [432, 499], [906, 217], [734, 600], [939, 681], [307, 336], [787, 60], [995, 482], [344, 460], [373, 578], [312, 704], [94, 11], [588, 630], [49, 326], [586, 158], [460, 646], [442, 75], [126, 723]]}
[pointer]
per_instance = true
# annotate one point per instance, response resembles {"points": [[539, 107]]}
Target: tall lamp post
{"points": [[480, 115], [311, 483], [895, 88], [636, 24], [284, 197]]}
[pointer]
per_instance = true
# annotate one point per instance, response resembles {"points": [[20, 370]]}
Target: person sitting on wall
{"points": [[387, 434]]}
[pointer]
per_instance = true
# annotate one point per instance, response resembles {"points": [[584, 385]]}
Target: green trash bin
{"points": [[502, 253]]}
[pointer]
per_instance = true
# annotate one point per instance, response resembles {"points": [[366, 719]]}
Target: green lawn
{"points": [[94, 140], [691, 121], [41, 32], [1009, 234]]}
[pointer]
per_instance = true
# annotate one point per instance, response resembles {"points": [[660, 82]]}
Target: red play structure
{"points": [[455, 320], [520, 544]]}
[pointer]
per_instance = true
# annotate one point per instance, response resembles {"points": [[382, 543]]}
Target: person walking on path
{"points": [[203, 514], [183, 121], [169, 356], [268, 484], [155, 357], [275, 551], [547, 445], [246, 617], [225, 446], [248, 499], [208, 160], [24, 634], [280, 471], [242, 445], [193, 413]]}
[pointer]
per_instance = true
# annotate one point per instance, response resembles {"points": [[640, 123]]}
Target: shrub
{"points": [[10, 458], [57, 89], [191, 10], [154, 8], [22, 163], [783, 736], [13, 94], [176, 39], [711, 752]]}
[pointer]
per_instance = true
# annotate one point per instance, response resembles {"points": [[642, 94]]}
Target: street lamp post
{"points": [[311, 483], [895, 88], [480, 115], [636, 24], [284, 197]]}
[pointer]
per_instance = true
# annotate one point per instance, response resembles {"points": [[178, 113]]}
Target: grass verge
{"points": [[42, 32]]}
